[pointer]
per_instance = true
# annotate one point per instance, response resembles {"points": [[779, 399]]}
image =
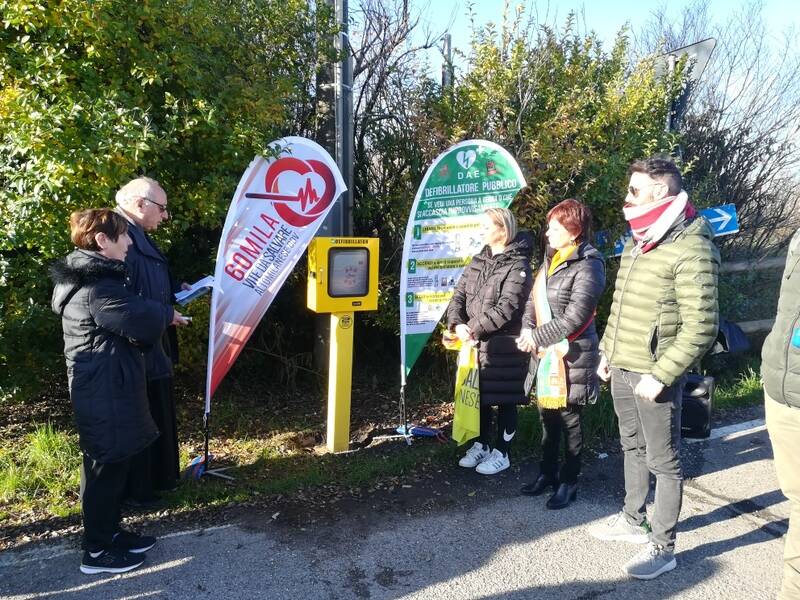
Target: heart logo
{"points": [[465, 159], [300, 190]]}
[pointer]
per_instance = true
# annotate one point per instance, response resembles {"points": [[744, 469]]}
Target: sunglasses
{"points": [[634, 191]]}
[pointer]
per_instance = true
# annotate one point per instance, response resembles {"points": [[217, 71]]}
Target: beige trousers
{"points": [[783, 424]]}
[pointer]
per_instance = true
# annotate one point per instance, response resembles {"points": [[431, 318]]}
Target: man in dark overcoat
{"points": [[143, 203]]}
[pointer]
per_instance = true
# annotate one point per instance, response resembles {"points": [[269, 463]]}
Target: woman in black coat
{"points": [[574, 275], [106, 328], [486, 308]]}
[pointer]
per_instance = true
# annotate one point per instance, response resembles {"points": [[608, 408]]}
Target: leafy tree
{"points": [[94, 92]]}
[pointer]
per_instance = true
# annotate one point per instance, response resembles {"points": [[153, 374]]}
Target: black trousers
{"points": [[157, 467], [102, 486], [558, 423], [506, 426]]}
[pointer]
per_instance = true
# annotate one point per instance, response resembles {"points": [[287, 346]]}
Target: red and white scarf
{"points": [[651, 222]]}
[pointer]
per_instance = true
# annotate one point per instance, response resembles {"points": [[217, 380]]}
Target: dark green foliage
{"points": [[96, 92]]}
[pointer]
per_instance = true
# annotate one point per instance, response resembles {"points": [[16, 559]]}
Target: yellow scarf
{"points": [[559, 257]]}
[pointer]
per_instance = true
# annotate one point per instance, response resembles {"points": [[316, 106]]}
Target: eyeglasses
{"points": [[162, 208]]}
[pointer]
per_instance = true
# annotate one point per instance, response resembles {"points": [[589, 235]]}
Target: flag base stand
{"points": [[206, 472], [218, 473], [406, 434], [408, 431]]}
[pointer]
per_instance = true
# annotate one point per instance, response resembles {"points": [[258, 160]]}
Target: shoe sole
{"points": [[631, 538], [492, 472], [89, 570], [470, 466], [667, 567], [560, 506], [532, 495]]}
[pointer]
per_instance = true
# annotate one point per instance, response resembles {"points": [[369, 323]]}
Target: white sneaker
{"points": [[494, 463], [474, 456]]}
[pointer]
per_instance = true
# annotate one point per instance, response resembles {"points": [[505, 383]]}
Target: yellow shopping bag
{"points": [[467, 414]]}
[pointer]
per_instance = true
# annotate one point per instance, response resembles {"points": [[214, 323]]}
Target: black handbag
{"points": [[698, 394]]}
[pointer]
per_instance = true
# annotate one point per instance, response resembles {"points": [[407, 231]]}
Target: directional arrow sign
{"points": [[722, 218]]}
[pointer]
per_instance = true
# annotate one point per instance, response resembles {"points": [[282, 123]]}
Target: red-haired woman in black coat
{"points": [[567, 289]]}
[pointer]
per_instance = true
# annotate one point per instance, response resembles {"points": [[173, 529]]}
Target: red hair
{"points": [[574, 216]]}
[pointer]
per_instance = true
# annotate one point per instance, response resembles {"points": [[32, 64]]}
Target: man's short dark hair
{"points": [[661, 169]]}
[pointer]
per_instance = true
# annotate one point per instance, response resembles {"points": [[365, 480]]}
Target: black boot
{"points": [[538, 487], [565, 494]]}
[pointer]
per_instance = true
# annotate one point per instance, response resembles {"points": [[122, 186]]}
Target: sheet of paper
{"points": [[197, 289]]}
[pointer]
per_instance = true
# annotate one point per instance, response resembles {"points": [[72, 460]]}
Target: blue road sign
{"points": [[722, 218]]}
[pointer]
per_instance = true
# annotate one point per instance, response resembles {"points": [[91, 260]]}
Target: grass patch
{"points": [[744, 390], [40, 472]]}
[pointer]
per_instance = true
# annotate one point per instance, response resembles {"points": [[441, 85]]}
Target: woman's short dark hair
{"points": [[85, 224], [661, 169], [574, 216]]}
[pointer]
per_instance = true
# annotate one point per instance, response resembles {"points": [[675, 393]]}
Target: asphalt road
{"points": [[495, 544]]}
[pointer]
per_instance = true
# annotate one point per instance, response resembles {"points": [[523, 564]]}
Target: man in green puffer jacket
{"points": [[780, 369], [664, 317]]}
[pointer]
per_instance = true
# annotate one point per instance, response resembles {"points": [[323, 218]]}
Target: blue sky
{"points": [[606, 17]]}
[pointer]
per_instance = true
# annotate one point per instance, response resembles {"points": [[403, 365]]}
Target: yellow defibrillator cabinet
{"points": [[342, 279]]}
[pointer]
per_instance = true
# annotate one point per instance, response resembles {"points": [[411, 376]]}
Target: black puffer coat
{"points": [[106, 328], [490, 297], [573, 291]]}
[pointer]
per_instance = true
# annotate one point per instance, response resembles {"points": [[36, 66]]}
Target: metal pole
{"points": [[344, 118], [206, 435], [340, 381], [447, 66], [671, 104], [328, 95], [335, 134], [206, 471], [339, 124]]}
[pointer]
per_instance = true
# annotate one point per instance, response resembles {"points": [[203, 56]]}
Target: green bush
{"points": [[738, 300], [94, 92]]}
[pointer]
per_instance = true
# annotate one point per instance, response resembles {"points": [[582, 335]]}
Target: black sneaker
{"points": [[127, 541], [110, 561]]}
